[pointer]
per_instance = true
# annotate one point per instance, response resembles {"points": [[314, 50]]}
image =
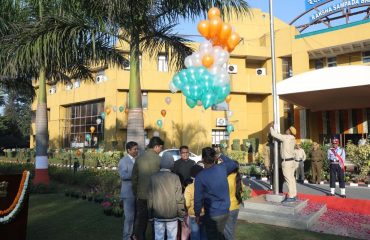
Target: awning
{"points": [[333, 88]]}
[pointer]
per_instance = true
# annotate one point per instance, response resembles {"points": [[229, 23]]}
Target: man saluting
{"points": [[336, 157]]}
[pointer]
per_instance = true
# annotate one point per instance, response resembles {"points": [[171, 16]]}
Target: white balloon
{"points": [[188, 61], [205, 48], [197, 60], [98, 121], [222, 79], [173, 88], [215, 70], [229, 113], [217, 51]]}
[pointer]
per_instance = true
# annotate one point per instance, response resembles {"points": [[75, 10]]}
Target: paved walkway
{"points": [[315, 189]]}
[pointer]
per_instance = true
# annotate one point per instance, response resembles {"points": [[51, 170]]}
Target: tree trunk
{"points": [[135, 124], [42, 135]]}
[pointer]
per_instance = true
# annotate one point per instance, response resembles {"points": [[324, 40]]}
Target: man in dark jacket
{"points": [[212, 192], [183, 165], [165, 199], [145, 166]]}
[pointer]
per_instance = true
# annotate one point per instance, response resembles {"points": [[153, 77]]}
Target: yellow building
{"points": [[73, 109]]}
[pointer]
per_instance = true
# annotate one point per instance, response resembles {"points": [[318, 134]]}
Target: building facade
{"points": [[74, 108]]}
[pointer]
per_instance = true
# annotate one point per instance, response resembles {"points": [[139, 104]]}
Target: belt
{"points": [[332, 162], [126, 180], [298, 160], [317, 161], [288, 159]]}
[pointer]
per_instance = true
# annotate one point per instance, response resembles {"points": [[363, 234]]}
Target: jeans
{"points": [[129, 214], [215, 226], [229, 231], [169, 227], [198, 232]]}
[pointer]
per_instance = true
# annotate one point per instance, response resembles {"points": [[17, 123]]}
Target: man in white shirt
{"points": [[125, 171], [300, 157]]}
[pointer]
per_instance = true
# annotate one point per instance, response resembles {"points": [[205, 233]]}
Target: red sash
{"points": [[341, 162]]}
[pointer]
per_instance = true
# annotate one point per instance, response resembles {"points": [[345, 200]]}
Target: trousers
{"points": [[336, 171], [316, 171], [129, 214], [289, 168]]}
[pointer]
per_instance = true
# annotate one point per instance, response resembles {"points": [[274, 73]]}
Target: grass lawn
{"points": [[54, 216]]}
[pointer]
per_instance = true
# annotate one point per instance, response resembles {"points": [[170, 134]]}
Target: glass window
{"points": [[366, 57], [140, 63], [79, 120], [319, 63], [287, 68], [218, 135], [144, 99], [162, 63], [332, 62]]}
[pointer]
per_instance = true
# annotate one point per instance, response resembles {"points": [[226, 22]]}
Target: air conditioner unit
{"points": [[69, 86], [53, 90], [232, 68], [221, 122], [76, 84], [100, 78], [261, 71]]}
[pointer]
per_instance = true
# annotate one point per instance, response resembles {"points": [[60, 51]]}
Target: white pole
{"points": [[275, 100]]}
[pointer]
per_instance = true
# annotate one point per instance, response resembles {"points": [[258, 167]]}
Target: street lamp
{"points": [[275, 100]]}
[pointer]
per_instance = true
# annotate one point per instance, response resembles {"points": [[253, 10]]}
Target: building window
{"points": [[221, 107], [128, 66], [332, 62], [218, 135], [366, 57], [144, 99], [162, 63], [287, 68], [319, 63], [78, 122]]}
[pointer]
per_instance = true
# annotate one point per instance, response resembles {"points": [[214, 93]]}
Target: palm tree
{"points": [[55, 41], [147, 26]]}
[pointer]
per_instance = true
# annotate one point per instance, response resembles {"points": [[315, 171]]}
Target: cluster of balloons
{"points": [[205, 81]]}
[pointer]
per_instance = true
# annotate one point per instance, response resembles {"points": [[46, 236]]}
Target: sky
{"points": [[285, 10]]}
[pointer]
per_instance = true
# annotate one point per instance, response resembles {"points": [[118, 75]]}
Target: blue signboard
{"points": [[311, 3]]}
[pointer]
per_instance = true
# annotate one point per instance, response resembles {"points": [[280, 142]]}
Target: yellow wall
{"points": [[251, 103]]}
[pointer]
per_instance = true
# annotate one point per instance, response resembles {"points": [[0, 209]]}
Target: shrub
{"points": [[360, 156], [43, 189], [238, 156]]}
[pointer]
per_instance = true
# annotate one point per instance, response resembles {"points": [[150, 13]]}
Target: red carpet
{"points": [[348, 205]]}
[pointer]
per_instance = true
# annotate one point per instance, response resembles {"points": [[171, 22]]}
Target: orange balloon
{"points": [[163, 112], [203, 28], [214, 13], [215, 25], [92, 129], [225, 32], [126, 110], [78, 153], [107, 111], [207, 61], [233, 40], [228, 99]]}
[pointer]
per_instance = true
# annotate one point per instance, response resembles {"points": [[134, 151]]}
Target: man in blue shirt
{"points": [[212, 192]]}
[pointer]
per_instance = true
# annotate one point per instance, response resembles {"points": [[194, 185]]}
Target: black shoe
{"points": [[343, 196], [289, 200]]}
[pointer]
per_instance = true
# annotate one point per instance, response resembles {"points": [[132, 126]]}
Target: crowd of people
{"points": [[179, 199], [291, 163]]}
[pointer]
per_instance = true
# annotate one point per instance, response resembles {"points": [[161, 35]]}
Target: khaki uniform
{"points": [[288, 164], [300, 157], [317, 158]]}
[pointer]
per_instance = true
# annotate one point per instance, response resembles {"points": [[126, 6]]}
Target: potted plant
{"points": [[83, 195], [117, 211], [89, 197], [107, 207]]}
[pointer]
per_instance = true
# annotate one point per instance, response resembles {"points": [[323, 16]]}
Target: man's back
{"points": [[215, 187], [145, 166]]}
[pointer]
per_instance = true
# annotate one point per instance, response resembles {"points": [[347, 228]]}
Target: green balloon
{"points": [[208, 99], [191, 102], [121, 108], [159, 123], [230, 128]]}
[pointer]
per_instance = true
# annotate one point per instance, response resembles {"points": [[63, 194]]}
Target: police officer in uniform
{"points": [[287, 156], [336, 157]]}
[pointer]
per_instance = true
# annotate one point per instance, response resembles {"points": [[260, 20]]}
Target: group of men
{"points": [[292, 158], [152, 189]]}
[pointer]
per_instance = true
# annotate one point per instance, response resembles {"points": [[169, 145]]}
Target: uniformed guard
{"points": [[336, 157]]}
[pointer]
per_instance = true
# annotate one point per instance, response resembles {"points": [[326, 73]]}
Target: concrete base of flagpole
{"points": [[274, 197]]}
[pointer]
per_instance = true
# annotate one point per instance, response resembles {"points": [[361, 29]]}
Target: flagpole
{"points": [[275, 101]]}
